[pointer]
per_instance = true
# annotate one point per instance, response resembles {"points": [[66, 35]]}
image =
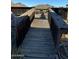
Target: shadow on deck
{"points": [[38, 44]]}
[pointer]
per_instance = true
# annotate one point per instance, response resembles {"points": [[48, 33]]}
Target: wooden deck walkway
{"points": [[38, 43]]}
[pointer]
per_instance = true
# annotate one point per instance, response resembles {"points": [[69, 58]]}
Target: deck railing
{"points": [[57, 25], [21, 24]]}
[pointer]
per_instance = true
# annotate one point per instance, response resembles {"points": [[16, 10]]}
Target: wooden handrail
{"points": [[58, 26], [30, 13], [19, 27]]}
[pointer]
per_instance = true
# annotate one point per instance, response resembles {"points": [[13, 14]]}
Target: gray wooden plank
{"points": [[38, 43]]}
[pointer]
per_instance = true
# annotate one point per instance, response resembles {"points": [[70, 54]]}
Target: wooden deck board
{"points": [[38, 42], [40, 23]]}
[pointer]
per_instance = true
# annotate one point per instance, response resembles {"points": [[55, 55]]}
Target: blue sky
{"points": [[30, 3]]}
